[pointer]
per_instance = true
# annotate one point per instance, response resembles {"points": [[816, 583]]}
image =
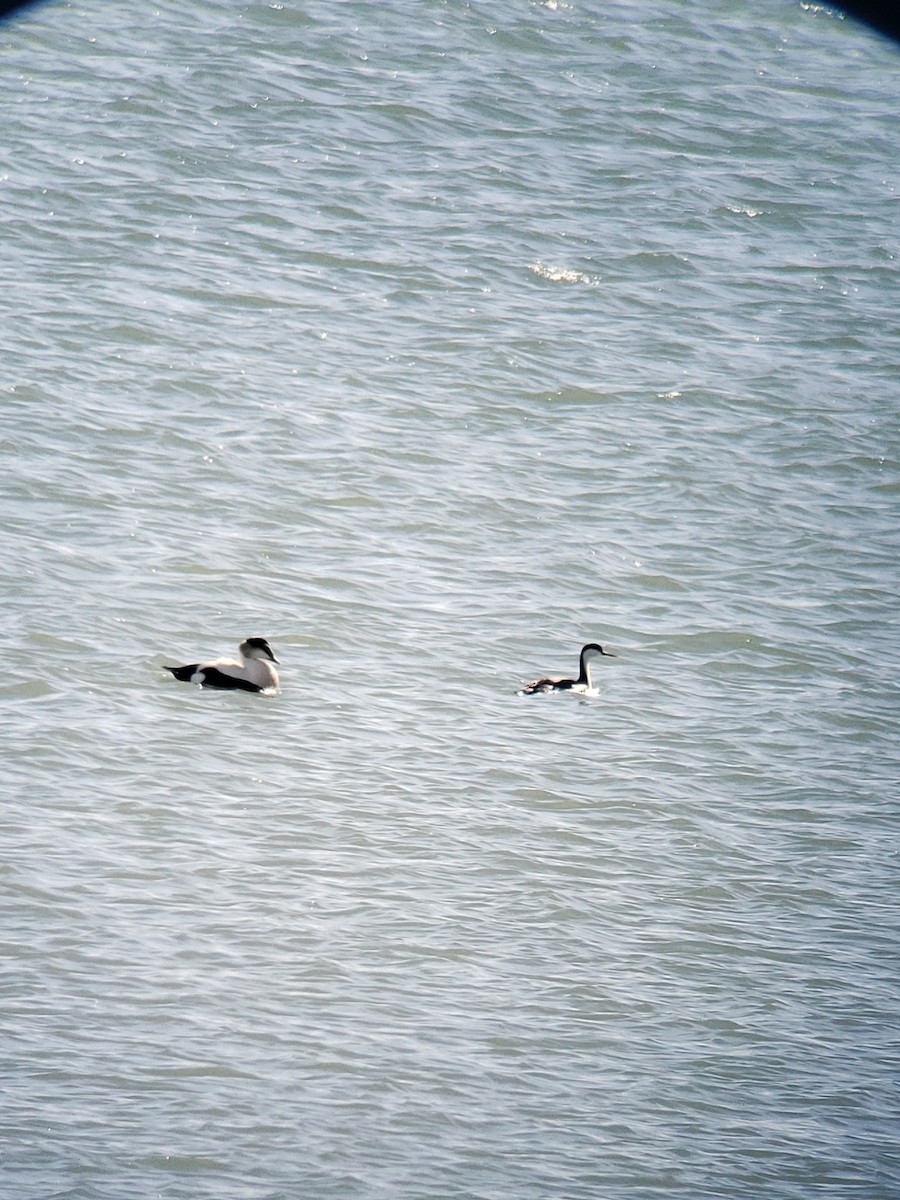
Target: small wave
{"points": [[561, 274]]}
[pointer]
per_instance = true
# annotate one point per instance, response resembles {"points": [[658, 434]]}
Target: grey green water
{"points": [[430, 341]]}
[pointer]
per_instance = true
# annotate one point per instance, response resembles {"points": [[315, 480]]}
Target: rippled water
{"points": [[431, 341]]}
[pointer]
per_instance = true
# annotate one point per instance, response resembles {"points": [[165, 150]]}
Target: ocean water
{"points": [[431, 341]]}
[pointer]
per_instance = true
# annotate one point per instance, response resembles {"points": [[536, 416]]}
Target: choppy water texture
{"points": [[430, 341]]}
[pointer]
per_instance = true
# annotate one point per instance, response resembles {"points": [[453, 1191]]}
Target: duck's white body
{"points": [[583, 685], [253, 673]]}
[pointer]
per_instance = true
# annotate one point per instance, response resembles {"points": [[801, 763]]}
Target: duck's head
{"points": [[257, 647]]}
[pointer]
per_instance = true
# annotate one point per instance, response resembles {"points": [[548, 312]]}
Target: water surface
{"points": [[431, 341]]}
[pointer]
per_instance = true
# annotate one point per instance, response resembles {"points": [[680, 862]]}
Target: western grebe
{"points": [[583, 684]]}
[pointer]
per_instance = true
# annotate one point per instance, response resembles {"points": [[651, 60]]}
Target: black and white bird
{"points": [[254, 672], [583, 685]]}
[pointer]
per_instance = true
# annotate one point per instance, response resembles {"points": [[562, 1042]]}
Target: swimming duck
{"points": [[582, 684], [251, 674]]}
